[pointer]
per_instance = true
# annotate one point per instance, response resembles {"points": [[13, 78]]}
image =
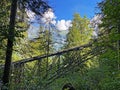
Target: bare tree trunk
{"points": [[11, 35]]}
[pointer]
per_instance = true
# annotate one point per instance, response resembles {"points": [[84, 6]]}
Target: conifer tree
{"points": [[37, 6], [79, 34]]}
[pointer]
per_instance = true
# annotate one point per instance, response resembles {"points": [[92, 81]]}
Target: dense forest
{"points": [[88, 59]]}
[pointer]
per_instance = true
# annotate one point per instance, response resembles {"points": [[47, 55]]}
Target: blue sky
{"points": [[64, 9]]}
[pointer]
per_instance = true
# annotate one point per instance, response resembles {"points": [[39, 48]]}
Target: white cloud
{"points": [[95, 21], [53, 22], [63, 25], [33, 31], [31, 15], [95, 34], [49, 17], [49, 14]]}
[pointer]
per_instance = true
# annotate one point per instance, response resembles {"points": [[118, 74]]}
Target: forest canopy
{"points": [[86, 56]]}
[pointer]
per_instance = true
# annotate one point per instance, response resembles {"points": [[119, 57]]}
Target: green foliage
{"points": [[4, 21], [80, 32], [109, 60], [101, 73]]}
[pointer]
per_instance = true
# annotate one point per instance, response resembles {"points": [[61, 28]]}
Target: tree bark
{"points": [[9, 50]]}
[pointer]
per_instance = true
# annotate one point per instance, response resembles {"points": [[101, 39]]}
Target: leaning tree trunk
{"points": [[11, 35]]}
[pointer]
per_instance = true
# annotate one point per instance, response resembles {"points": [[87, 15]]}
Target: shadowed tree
{"points": [[36, 6], [80, 33]]}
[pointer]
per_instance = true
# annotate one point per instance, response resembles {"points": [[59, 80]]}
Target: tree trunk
{"points": [[11, 35]]}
